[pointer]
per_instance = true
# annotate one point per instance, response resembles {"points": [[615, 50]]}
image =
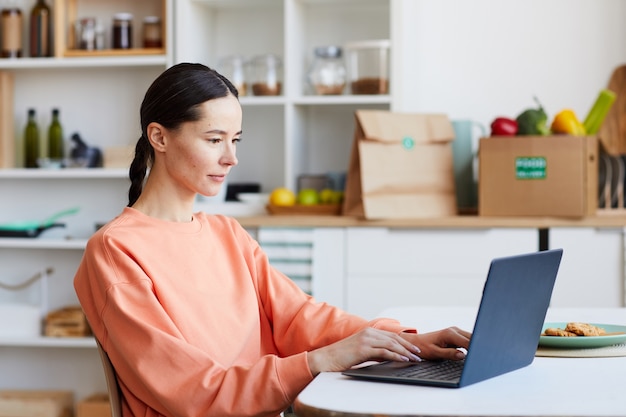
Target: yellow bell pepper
{"points": [[566, 122]]}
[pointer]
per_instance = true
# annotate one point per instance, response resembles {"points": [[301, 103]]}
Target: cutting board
{"points": [[612, 133]]}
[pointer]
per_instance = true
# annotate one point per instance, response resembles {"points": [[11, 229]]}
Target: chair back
{"points": [[115, 398]]}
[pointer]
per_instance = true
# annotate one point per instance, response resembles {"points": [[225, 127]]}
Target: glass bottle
{"points": [[327, 74], [55, 137], [40, 30], [11, 23], [31, 141]]}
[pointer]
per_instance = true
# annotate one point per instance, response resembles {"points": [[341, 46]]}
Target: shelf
{"points": [[262, 100], [343, 100], [114, 52], [83, 62], [266, 3], [42, 243], [66, 173], [42, 341], [239, 3]]}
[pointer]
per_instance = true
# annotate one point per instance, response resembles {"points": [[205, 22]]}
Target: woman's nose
{"points": [[230, 155]]}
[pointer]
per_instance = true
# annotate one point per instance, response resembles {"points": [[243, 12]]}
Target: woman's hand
{"points": [[368, 344], [441, 344], [379, 345]]}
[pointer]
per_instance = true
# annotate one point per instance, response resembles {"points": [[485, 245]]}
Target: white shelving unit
{"points": [[309, 134], [99, 98]]}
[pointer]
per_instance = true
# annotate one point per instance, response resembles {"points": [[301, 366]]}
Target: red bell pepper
{"points": [[503, 126]]}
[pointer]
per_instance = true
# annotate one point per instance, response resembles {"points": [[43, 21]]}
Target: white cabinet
{"points": [[390, 267], [39, 362], [297, 132], [592, 268]]}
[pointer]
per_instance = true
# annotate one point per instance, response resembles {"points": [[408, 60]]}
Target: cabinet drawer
{"points": [[375, 251]]}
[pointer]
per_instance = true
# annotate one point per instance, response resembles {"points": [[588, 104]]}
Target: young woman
{"points": [[193, 317]]}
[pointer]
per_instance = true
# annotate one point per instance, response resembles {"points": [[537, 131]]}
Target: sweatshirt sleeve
{"points": [[299, 322], [116, 294]]}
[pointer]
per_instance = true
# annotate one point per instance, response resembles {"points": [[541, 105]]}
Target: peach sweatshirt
{"points": [[196, 321]]}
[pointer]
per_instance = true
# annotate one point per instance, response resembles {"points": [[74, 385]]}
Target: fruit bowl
{"points": [[311, 210]]}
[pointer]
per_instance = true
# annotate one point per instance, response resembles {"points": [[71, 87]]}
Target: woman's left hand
{"points": [[441, 344]]}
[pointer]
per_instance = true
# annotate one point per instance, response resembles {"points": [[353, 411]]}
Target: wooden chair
{"points": [[115, 397]]}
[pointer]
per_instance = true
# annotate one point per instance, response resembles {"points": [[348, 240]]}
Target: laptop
{"points": [[515, 299]]}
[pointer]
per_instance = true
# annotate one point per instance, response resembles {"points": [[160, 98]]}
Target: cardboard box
{"points": [[538, 176], [96, 405], [36, 403], [401, 166]]}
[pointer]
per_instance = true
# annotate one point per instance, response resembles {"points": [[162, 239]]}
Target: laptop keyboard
{"points": [[444, 371]]}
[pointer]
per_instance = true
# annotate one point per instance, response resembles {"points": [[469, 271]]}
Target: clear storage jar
{"points": [[327, 75], [368, 66], [233, 67], [266, 74], [152, 32]]}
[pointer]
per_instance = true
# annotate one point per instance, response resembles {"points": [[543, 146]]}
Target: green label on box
{"points": [[530, 168], [408, 142]]}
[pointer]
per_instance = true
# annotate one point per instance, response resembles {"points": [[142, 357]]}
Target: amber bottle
{"points": [[40, 30]]}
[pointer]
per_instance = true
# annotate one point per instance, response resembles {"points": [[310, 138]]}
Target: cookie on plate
{"points": [[556, 331], [584, 329]]}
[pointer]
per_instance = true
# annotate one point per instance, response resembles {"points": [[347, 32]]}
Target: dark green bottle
{"points": [[56, 150], [31, 141]]}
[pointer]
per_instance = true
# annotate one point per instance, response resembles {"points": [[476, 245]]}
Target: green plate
{"points": [[583, 342]]}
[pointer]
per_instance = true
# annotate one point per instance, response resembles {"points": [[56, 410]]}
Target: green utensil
{"points": [[35, 224]]}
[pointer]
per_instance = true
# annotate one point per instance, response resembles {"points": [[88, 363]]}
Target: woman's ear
{"points": [[156, 136]]}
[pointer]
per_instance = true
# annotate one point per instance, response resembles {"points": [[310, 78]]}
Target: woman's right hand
{"points": [[368, 344]]}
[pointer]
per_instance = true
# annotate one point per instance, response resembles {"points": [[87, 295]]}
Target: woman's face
{"points": [[199, 155]]}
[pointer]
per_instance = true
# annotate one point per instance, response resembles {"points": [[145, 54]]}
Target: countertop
{"points": [[604, 220]]}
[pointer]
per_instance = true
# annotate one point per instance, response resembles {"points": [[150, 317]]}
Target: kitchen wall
{"points": [[483, 58]]}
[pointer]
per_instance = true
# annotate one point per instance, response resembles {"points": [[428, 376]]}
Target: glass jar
{"points": [[122, 31], [152, 36], [233, 67], [85, 34], [327, 75], [266, 72], [368, 66], [12, 25]]}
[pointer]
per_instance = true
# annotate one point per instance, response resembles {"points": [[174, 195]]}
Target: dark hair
{"points": [[173, 98]]}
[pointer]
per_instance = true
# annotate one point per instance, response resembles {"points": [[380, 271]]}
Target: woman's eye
{"points": [[236, 140], [215, 140]]}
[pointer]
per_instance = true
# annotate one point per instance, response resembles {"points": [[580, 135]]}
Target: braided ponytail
{"points": [[172, 99], [144, 156]]}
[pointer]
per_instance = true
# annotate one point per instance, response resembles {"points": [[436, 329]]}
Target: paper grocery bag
{"points": [[401, 166]]}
